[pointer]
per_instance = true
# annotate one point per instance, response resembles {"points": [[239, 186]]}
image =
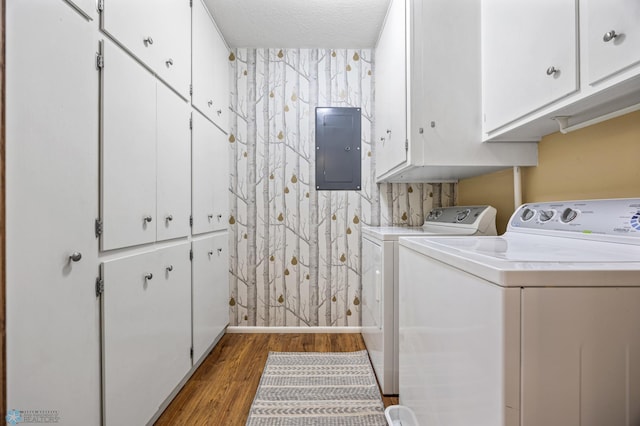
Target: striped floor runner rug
{"points": [[317, 388]]}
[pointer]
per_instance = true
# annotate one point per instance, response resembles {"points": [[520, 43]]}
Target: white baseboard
{"points": [[300, 330]]}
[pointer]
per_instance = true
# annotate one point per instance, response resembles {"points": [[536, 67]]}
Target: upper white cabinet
{"points": [[526, 66], [436, 43], [52, 312], [584, 64], [391, 72], [145, 155], [210, 76], [612, 34], [157, 33], [210, 177]]}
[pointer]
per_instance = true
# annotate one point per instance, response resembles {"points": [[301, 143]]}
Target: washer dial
{"points": [[568, 215], [527, 214]]}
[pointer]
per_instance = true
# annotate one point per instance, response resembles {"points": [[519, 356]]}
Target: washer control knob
{"points": [[568, 215], [527, 214], [546, 215], [462, 215]]}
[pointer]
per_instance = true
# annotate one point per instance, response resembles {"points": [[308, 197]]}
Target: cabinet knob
{"points": [[210, 252], [148, 276], [75, 256], [219, 251], [169, 62], [219, 216], [609, 35], [169, 218], [552, 70], [147, 219], [421, 130], [219, 112], [347, 148], [169, 268], [147, 41]]}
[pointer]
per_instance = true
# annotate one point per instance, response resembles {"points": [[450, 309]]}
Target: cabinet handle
{"points": [[147, 219], [169, 62], [210, 103], [609, 35], [147, 41], [169, 268], [169, 218], [148, 276], [75, 256], [552, 70]]}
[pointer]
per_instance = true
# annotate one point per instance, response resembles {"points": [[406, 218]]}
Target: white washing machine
{"points": [[540, 326], [380, 279]]}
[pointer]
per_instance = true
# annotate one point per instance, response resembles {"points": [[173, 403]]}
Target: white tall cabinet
{"points": [[111, 301], [430, 127], [52, 313]]}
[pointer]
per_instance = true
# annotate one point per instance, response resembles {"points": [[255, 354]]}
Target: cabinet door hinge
{"points": [[99, 61], [191, 352], [190, 3], [100, 5], [191, 89], [99, 286], [191, 221], [98, 228], [191, 254], [406, 145], [191, 123]]}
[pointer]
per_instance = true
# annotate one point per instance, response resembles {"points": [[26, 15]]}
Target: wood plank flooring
{"points": [[221, 391]]}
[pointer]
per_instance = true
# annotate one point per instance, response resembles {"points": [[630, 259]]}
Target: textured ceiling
{"points": [[299, 23]]}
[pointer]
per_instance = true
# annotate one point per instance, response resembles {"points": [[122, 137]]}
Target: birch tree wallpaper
{"points": [[295, 253]]}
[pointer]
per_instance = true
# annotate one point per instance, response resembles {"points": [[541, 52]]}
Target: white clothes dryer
{"points": [[540, 326], [380, 279]]}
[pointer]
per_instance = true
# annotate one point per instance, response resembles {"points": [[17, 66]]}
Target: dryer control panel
{"points": [[610, 217]]}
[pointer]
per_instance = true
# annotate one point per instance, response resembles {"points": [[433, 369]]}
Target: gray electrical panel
{"points": [[338, 163]]}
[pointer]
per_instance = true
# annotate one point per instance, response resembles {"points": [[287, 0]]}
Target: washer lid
{"points": [[534, 260], [392, 233]]}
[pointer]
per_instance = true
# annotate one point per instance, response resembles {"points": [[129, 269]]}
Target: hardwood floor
{"points": [[221, 391]]}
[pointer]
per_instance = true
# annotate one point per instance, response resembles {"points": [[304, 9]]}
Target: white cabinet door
{"points": [[172, 30], [128, 151], [52, 313], [580, 352], [174, 165], [391, 90], [210, 291], [526, 67], [210, 177], [146, 332], [210, 77], [131, 24], [612, 31]]}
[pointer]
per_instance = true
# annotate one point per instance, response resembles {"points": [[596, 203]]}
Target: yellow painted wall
{"points": [[600, 161]]}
